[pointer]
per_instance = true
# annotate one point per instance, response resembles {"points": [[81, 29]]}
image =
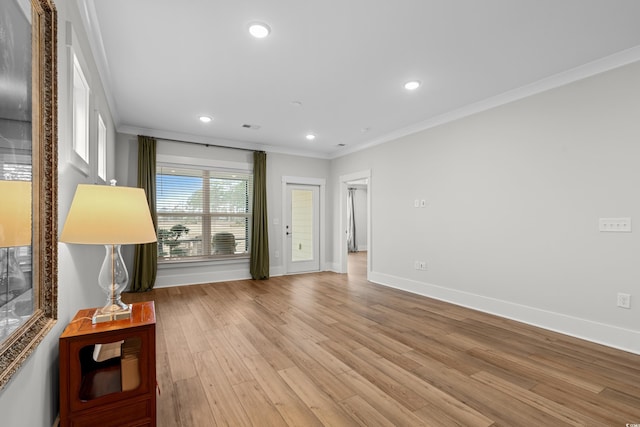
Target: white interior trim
{"points": [[342, 230]]}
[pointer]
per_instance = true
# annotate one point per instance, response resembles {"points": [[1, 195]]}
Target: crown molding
{"points": [[589, 69], [94, 36], [229, 143]]}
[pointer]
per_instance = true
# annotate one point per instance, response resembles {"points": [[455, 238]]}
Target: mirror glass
{"points": [[16, 279], [28, 179]]}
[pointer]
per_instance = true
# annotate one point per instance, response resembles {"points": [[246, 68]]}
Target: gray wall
{"points": [[513, 196], [278, 165], [30, 399]]}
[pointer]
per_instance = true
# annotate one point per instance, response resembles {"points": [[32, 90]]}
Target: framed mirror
{"points": [[28, 178]]}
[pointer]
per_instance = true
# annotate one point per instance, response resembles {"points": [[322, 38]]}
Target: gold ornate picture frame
{"points": [[16, 347]]}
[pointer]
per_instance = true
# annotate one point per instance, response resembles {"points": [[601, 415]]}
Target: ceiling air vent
{"points": [[254, 127]]}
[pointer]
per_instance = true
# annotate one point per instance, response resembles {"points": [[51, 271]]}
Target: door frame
{"points": [[342, 231], [318, 182]]}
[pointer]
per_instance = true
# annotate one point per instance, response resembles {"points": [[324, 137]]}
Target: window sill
{"points": [[236, 259]]}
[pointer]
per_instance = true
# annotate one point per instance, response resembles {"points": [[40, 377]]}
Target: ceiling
{"points": [[336, 68]]}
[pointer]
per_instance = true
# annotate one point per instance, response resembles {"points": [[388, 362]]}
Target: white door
{"points": [[302, 228]]}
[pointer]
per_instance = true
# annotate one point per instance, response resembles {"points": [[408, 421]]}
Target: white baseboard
{"points": [[184, 278], [609, 335]]}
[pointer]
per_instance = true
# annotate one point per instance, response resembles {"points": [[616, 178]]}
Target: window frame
{"points": [[102, 149], [81, 92], [80, 148], [207, 168]]}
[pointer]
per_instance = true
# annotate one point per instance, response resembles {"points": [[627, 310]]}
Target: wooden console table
{"points": [[108, 370]]}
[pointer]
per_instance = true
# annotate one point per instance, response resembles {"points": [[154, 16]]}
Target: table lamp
{"points": [[15, 230], [110, 216]]}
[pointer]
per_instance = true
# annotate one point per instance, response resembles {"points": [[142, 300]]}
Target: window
{"points": [[102, 149], [203, 213], [80, 112]]}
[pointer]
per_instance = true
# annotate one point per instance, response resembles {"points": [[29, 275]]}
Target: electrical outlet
{"points": [[624, 300], [423, 265], [423, 203], [615, 225]]}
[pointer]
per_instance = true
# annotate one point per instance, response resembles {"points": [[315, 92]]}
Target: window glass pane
{"points": [[102, 149], [230, 193], [16, 171], [301, 225], [230, 234], [179, 236], [202, 212], [178, 190], [80, 112]]}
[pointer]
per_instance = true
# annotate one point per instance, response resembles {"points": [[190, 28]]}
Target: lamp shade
{"points": [[108, 215], [15, 213]]}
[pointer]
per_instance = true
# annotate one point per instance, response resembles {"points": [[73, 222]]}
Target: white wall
{"points": [[514, 195], [278, 165], [30, 399]]}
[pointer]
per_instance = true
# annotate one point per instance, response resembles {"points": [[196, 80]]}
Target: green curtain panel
{"points": [[145, 263], [259, 264]]}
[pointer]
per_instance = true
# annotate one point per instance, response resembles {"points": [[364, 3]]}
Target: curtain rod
{"points": [[199, 143]]}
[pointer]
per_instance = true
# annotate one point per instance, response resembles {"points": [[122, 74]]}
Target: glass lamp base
{"points": [[111, 312]]}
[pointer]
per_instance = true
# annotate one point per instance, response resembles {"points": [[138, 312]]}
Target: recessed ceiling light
{"points": [[205, 119], [412, 85], [310, 136], [259, 30]]}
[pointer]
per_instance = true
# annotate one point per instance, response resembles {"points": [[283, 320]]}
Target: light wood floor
{"points": [[330, 349]]}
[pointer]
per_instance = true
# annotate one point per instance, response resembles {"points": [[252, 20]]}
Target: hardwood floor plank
{"points": [[272, 354], [363, 413], [556, 410], [612, 412], [536, 371], [258, 407], [193, 408], [181, 364], [326, 409], [364, 366], [240, 344], [229, 360], [631, 401], [503, 408], [288, 404], [329, 349], [166, 398], [325, 381], [225, 407], [447, 404], [390, 408]]}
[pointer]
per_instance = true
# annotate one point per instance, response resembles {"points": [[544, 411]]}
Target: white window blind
{"points": [[203, 213]]}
